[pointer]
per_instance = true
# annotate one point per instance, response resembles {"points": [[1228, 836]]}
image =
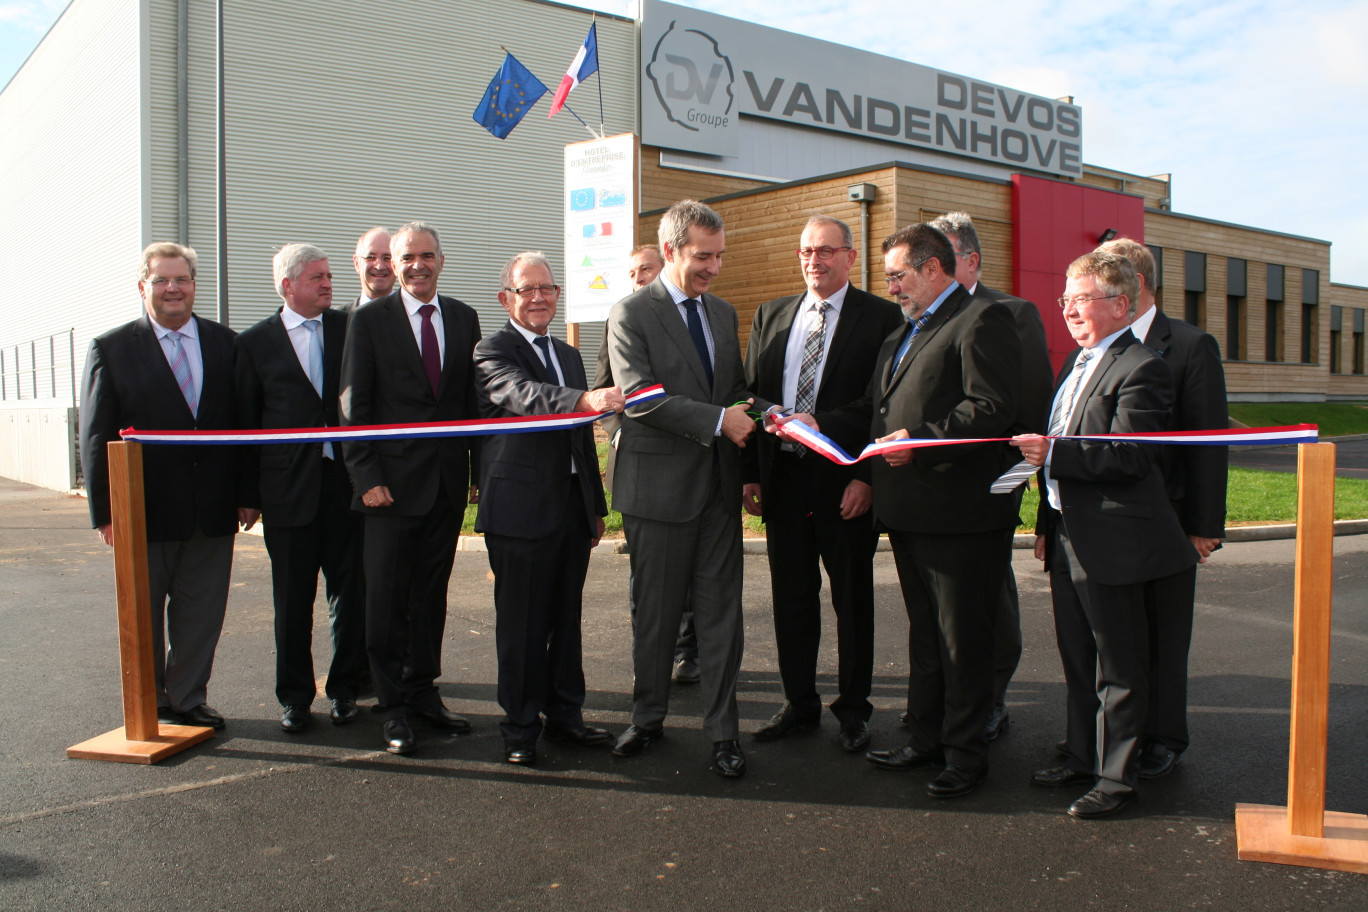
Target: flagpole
{"points": [[599, 74]]}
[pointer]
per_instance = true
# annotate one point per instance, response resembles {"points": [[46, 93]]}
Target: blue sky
{"points": [[1258, 110]]}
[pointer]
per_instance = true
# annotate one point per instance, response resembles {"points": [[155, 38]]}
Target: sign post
{"points": [[600, 227]]}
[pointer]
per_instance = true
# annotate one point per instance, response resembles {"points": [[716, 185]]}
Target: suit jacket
{"points": [[1194, 476], [1115, 510], [865, 322], [522, 476], [284, 480], [128, 383], [603, 376], [667, 446], [383, 382], [1037, 379], [958, 379]]}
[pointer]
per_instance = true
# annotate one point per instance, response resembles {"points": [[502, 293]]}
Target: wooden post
{"points": [[1303, 833], [572, 334], [141, 739]]}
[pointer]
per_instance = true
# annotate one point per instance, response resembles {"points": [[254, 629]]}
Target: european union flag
{"points": [[511, 94]]}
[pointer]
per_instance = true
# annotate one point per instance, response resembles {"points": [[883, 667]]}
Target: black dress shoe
{"points": [[955, 782], [686, 672], [584, 734], [854, 735], [728, 760], [903, 758], [523, 752], [343, 711], [398, 737], [295, 719], [1157, 761], [205, 715], [1099, 804], [635, 740], [785, 722], [445, 719], [1057, 776], [998, 722]]}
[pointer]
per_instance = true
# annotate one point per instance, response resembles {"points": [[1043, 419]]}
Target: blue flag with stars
{"points": [[511, 94]]}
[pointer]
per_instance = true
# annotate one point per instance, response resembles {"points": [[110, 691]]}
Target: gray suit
{"points": [[679, 489]]}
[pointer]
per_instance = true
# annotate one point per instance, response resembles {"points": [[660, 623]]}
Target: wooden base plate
{"points": [[1263, 834], [116, 747]]}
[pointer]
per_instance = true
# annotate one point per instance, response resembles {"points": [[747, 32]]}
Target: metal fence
{"points": [[42, 368]]}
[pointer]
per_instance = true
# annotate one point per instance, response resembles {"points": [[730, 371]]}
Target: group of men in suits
{"points": [[948, 358]]}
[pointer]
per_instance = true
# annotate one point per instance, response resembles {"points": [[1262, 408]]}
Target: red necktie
{"points": [[432, 357]]}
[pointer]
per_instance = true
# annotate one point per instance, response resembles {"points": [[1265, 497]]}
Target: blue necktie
{"points": [[180, 367], [700, 341], [917, 326], [544, 343], [314, 329]]}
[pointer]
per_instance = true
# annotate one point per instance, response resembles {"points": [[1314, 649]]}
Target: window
{"points": [[1273, 314], [1158, 254], [1358, 340], [1310, 317], [1237, 287], [1194, 288], [1336, 321]]}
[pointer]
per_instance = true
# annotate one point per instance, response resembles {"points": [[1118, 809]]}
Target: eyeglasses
{"points": [[892, 277], [821, 253], [528, 291], [159, 284], [1080, 300]]}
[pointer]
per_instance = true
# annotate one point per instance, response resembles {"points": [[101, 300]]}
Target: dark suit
{"points": [[305, 501], [410, 545], [951, 536], [1116, 531], [679, 489], [1195, 478], [1037, 381], [190, 492], [539, 519], [802, 504]]}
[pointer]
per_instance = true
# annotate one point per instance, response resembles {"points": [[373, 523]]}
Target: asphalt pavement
{"points": [[258, 819]]}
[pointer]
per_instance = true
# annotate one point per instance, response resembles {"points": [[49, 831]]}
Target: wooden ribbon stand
{"points": [[141, 739], [1304, 833]]}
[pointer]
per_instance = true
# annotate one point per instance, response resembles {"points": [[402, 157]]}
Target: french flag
{"points": [[584, 64]]}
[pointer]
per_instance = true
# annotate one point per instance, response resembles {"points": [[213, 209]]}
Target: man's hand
{"points": [[474, 497], [897, 457], [750, 499], [736, 424], [106, 533], [598, 536], [606, 399], [775, 424], [1205, 546], [1040, 548], [1034, 448], [247, 517], [857, 499], [378, 496]]}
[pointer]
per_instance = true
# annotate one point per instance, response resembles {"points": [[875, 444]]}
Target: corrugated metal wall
{"points": [[70, 146]]}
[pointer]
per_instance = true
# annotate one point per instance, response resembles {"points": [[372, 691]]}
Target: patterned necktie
{"points": [[432, 356], [180, 367], [1064, 404], [700, 341], [544, 343], [806, 400], [315, 330], [917, 326]]}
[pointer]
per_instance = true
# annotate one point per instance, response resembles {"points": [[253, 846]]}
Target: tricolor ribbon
{"points": [[474, 428], [1267, 436]]}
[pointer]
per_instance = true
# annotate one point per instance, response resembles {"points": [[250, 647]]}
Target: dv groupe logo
{"points": [[693, 79]]}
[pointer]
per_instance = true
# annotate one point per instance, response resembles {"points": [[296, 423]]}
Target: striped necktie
{"points": [[180, 367]]}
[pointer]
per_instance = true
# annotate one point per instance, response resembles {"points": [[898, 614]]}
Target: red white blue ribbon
{"points": [[474, 428], [1267, 436]]}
